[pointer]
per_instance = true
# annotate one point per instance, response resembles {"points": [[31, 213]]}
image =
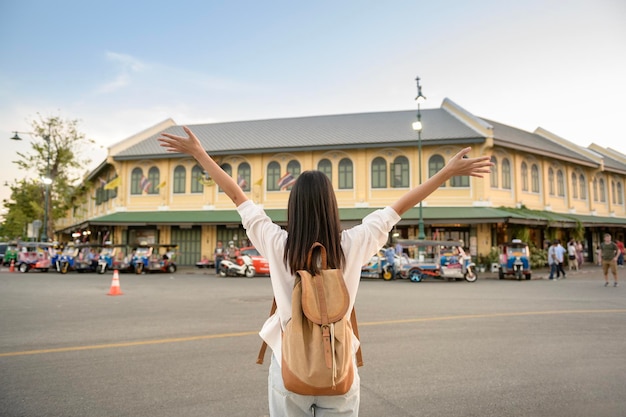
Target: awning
{"points": [[351, 216]]}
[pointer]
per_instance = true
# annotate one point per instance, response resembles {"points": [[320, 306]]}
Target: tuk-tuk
{"points": [[514, 260], [113, 257], [11, 254], [81, 257], [33, 256], [448, 261], [154, 258]]}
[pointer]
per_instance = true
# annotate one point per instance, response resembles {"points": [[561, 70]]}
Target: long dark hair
{"points": [[313, 216]]}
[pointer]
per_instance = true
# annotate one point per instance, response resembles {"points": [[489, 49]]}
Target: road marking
{"points": [[241, 334]]}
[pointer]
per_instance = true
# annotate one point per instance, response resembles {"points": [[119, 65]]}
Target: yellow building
{"points": [[542, 185]]}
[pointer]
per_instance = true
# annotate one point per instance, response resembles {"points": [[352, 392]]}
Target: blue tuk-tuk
{"points": [[514, 260]]}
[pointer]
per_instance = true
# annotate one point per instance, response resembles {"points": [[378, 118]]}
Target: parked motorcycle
{"points": [[229, 268]]}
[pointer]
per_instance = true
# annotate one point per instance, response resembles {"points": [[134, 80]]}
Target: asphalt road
{"points": [[185, 344]]}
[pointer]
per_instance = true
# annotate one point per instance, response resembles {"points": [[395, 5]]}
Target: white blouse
{"points": [[359, 244]]}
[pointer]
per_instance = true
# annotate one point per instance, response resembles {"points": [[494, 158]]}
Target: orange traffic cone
{"points": [[12, 267], [115, 285]]}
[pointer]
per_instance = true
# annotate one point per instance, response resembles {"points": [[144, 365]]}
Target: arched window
{"points": [[326, 167], [534, 178], [620, 193], [273, 175], [154, 179], [574, 186], [400, 172], [379, 173], [346, 174], [435, 163], [459, 181], [293, 167], [494, 172], [551, 180], [180, 179], [506, 174], [227, 169], [135, 181], [243, 176], [595, 189], [524, 174], [583, 187], [602, 190], [197, 177], [613, 192], [560, 183]]}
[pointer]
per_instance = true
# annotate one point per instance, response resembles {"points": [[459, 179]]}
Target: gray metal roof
{"points": [[512, 137], [344, 131], [316, 132]]}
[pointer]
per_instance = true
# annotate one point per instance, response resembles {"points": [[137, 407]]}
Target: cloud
{"points": [[126, 66]]}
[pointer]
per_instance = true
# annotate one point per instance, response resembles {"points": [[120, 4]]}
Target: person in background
{"points": [[620, 258], [560, 256], [391, 259], [552, 261], [580, 256], [219, 253], [609, 253], [572, 262]]}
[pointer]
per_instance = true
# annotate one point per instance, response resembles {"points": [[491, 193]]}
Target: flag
{"points": [[161, 185], [102, 181], [205, 179], [114, 183], [259, 182], [144, 184], [285, 181], [241, 181]]}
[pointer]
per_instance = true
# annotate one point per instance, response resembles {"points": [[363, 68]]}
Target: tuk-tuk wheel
{"points": [[171, 268], [139, 268], [64, 267], [23, 267], [500, 273], [471, 275], [528, 276], [387, 275], [415, 276]]}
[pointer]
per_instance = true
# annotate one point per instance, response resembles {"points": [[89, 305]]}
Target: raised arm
{"points": [[458, 165], [190, 145]]}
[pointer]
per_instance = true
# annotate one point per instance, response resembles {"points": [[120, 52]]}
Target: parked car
{"points": [[261, 265]]}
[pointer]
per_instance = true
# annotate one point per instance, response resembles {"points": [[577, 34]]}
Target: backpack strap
{"points": [[261, 356], [355, 330]]}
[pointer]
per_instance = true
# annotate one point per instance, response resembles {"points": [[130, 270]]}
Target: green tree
{"points": [[58, 151]]}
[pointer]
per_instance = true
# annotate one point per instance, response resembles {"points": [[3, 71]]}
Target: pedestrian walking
{"points": [[560, 256], [609, 253], [313, 216], [553, 261]]}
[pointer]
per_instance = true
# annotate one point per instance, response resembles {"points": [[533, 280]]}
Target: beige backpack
{"points": [[317, 351]]}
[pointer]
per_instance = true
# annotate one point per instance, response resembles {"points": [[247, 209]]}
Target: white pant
{"points": [[285, 403]]}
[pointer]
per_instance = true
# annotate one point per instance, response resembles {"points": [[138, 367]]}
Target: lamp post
{"points": [[46, 181], [418, 127]]}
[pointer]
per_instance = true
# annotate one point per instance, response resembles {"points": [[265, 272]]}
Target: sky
{"points": [[119, 67]]}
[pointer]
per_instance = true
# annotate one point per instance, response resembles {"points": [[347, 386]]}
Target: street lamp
{"points": [[418, 127], [46, 181]]}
